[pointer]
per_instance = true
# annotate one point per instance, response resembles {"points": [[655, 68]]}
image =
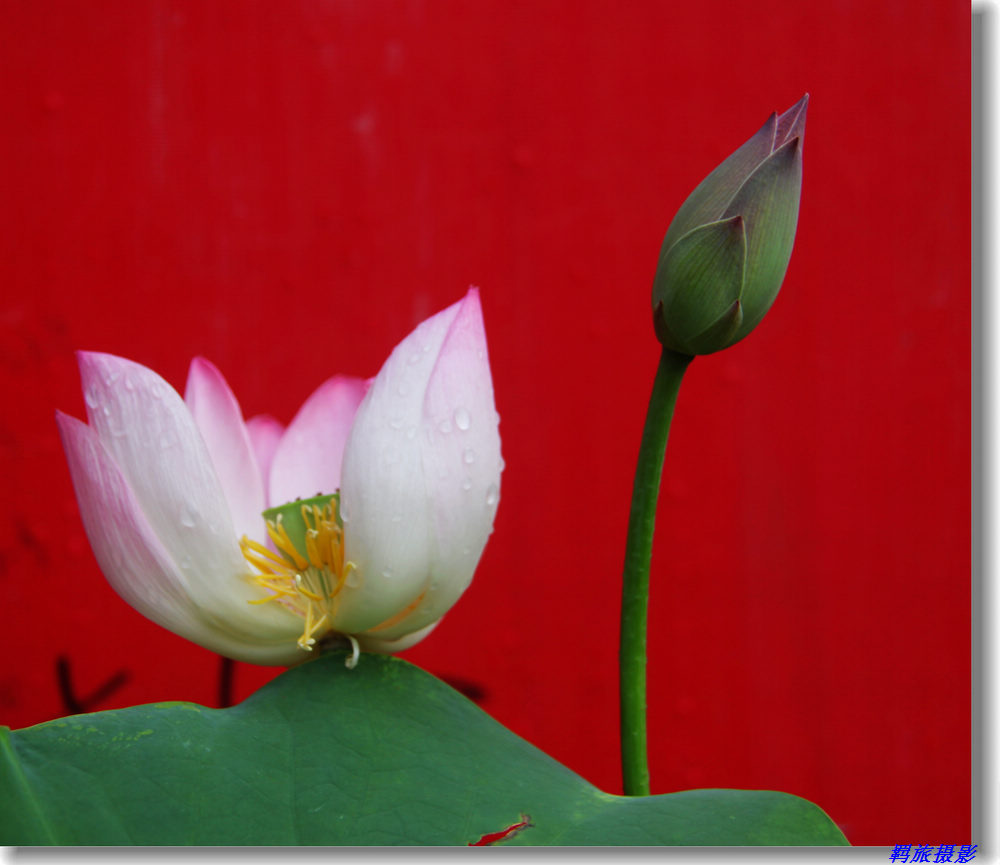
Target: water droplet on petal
{"points": [[353, 579], [462, 419], [107, 410], [387, 573], [186, 563], [128, 382], [91, 398], [468, 456], [187, 516], [411, 432], [396, 423], [467, 484], [402, 389], [414, 359], [445, 426], [344, 516], [492, 495], [156, 389]]}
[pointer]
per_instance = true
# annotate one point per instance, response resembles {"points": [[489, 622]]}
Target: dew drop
{"points": [[425, 348], [468, 456], [107, 410], [467, 484], [414, 359], [402, 390], [411, 432], [353, 579], [91, 398], [187, 518], [445, 426], [156, 389], [344, 515], [387, 573], [396, 423], [462, 419], [186, 563], [128, 382], [492, 495]]}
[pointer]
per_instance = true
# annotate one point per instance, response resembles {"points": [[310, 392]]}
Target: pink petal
{"points": [[461, 461], [134, 560], [265, 433], [220, 421], [309, 455], [149, 432], [421, 476]]}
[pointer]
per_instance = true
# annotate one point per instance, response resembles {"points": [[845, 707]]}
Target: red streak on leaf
{"points": [[491, 838]]}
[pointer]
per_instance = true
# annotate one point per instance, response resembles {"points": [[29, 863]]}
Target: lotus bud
{"points": [[726, 252]]}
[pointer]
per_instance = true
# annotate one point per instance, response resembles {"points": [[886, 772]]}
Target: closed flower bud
{"points": [[726, 252]]}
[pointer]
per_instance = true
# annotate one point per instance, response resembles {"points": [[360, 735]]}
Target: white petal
{"points": [[462, 464], [309, 455], [421, 476], [220, 421], [149, 433], [135, 562]]}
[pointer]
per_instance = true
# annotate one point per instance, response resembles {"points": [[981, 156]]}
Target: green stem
{"points": [[635, 588]]}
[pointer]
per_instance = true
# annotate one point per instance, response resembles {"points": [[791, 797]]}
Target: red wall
{"points": [[287, 188]]}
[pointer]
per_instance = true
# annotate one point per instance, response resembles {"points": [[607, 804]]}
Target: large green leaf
{"points": [[382, 754]]}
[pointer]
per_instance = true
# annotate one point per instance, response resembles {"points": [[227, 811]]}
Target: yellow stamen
{"points": [[307, 585]]}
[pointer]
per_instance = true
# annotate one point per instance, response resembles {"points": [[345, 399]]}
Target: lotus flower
{"points": [[726, 252], [173, 493]]}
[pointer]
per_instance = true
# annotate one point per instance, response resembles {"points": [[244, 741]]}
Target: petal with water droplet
{"points": [[140, 568], [438, 524], [167, 481]]}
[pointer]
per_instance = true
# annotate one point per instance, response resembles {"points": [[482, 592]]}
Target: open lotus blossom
{"points": [[212, 526]]}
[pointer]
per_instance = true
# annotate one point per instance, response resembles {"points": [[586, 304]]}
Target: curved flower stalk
{"points": [[173, 493]]}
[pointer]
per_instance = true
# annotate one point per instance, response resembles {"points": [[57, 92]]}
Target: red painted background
{"points": [[287, 188]]}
